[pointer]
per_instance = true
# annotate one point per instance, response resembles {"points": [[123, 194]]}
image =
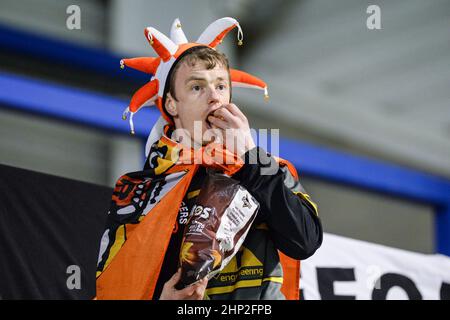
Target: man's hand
{"points": [[235, 128], [194, 292]]}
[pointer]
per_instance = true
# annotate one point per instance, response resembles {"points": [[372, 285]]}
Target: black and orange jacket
{"points": [[287, 228]]}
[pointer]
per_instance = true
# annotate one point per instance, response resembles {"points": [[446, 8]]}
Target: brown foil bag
{"points": [[217, 226]]}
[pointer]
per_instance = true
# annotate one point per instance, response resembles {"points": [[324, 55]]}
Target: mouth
{"points": [[209, 126], [208, 123]]}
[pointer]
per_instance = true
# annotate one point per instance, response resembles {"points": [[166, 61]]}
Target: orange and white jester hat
{"points": [[171, 49]]}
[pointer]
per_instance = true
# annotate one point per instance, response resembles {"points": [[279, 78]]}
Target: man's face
{"points": [[199, 92]]}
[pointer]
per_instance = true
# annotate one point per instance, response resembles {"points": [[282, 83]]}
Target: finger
{"points": [[201, 286], [195, 292], [187, 292], [204, 282], [199, 291], [235, 110], [198, 295], [195, 296], [221, 124], [230, 119], [226, 114]]}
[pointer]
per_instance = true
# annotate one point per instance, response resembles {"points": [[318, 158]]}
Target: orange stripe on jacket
{"points": [[291, 277], [291, 267]]}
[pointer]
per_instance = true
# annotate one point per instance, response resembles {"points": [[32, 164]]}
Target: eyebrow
{"points": [[194, 78]]}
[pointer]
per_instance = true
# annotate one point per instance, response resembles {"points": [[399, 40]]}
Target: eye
{"points": [[221, 87], [196, 88]]}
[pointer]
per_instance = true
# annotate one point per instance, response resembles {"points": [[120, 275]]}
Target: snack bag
{"points": [[217, 226]]}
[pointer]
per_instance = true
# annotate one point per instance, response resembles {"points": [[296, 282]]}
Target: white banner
{"points": [[345, 268]]}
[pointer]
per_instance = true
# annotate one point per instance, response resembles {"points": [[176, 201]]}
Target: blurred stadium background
{"points": [[360, 100]]}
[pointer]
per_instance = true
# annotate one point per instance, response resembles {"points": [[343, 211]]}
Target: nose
{"points": [[213, 97]]}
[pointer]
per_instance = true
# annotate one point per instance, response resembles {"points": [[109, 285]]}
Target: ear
{"points": [[170, 105]]}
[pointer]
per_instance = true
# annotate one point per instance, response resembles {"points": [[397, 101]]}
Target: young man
{"points": [[196, 98]]}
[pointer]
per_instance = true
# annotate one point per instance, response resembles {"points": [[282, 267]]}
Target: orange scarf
{"points": [[134, 270]]}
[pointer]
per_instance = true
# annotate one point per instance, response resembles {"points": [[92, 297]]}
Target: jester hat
{"points": [[169, 51]]}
